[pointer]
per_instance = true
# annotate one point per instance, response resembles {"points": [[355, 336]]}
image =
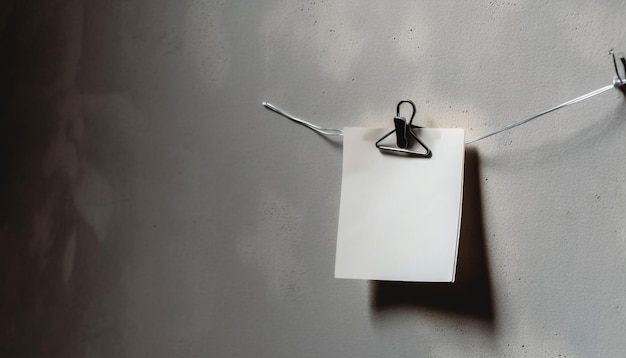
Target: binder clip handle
{"points": [[402, 127], [412, 114]]}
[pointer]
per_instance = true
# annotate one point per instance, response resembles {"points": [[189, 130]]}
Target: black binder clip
{"points": [[406, 142], [619, 82]]}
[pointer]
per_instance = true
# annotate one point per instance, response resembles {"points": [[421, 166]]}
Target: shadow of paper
{"points": [[471, 293]]}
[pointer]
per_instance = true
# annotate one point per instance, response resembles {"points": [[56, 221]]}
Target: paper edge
{"points": [[456, 256]]}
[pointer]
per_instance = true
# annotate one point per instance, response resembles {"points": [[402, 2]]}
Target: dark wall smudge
{"points": [[49, 255]]}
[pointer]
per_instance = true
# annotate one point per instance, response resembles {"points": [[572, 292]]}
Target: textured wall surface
{"points": [[151, 207]]}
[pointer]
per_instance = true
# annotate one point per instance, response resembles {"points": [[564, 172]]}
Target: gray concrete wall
{"points": [[151, 207]]}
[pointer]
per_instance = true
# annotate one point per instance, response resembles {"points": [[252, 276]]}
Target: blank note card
{"points": [[399, 216]]}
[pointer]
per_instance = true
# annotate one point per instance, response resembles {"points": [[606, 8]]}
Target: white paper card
{"points": [[399, 217]]}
